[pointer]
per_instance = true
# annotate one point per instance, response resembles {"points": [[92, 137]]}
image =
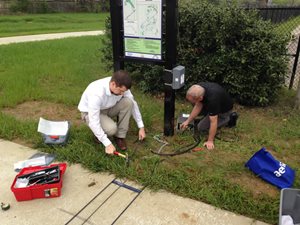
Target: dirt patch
{"points": [[33, 110], [255, 185]]}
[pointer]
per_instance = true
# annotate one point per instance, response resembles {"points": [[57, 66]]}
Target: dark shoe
{"points": [[121, 143], [232, 119]]}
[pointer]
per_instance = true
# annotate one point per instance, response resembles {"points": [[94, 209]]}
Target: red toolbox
{"points": [[46, 182]]}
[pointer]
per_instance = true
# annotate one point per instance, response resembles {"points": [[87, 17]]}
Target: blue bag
{"points": [[271, 170]]}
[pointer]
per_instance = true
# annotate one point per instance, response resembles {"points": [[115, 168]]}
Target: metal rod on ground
{"points": [[127, 207], [100, 206], [88, 204]]}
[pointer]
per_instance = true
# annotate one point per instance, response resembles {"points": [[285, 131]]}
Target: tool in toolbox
{"points": [[44, 176], [39, 182]]}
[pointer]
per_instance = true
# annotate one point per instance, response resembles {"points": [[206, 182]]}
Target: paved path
{"points": [[41, 37], [109, 207]]}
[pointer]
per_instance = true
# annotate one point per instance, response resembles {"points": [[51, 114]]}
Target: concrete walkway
{"points": [[42, 37], [111, 206]]}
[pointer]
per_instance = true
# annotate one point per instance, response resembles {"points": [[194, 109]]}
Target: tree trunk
{"points": [[269, 3], [297, 102], [262, 3]]}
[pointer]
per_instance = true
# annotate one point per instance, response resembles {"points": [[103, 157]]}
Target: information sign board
{"points": [[142, 28]]}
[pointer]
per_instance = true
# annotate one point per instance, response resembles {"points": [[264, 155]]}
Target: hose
{"points": [[179, 151]]}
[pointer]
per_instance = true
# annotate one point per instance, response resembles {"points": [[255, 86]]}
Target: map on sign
{"points": [[142, 28]]}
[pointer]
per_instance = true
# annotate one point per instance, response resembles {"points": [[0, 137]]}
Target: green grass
{"points": [[50, 23], [288, 26], [42, 64], [58, 71], [285, 2], [274, 2]]}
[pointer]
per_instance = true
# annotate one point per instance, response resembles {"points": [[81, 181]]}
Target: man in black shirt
{"points": [[212, 101]]}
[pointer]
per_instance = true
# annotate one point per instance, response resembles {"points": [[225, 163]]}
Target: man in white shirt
{"points": [[104, 99]]}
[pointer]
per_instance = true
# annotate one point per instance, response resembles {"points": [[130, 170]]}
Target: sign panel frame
{"points": [[142, 23]]}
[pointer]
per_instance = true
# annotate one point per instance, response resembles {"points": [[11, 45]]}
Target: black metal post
{"points": [[170, 62], [170, 55], [295, 64], [117, 33]]}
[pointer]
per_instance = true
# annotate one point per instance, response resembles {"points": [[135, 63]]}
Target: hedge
{"points": [[227, 45]]}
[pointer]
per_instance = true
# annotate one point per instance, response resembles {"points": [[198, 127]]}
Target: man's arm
{"points": [[195, 112], [95, 124], [212, 132]]}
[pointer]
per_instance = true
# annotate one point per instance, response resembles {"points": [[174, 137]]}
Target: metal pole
{"points": [[170, 62], [295, 64], [117, 34]]}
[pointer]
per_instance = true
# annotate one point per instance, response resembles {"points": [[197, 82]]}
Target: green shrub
{"points": [[93, 6], [106, 49], [227, 45], [43, 7], [20, 6], [101, 6], [235, 48], [30, 6]]}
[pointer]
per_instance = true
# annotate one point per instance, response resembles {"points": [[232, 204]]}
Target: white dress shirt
{"points": [[97, 96]]}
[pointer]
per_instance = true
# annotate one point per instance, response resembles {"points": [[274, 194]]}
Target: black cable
{"points": [[182, 150], [189, 147]]}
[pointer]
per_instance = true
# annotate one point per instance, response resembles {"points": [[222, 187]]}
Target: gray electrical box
{"points": [[178, 77]]}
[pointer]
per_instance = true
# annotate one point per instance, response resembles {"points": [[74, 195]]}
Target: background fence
{"points": [[288, 21], [4, 6], [45, 6]]}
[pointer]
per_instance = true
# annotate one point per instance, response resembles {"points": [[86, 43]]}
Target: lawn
{"points": [[48, 83], [286, 2], [46, 79], [50, 23]]}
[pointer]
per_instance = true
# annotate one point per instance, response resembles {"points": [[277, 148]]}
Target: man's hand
{"points": [[142, 134], [209, 145], [184, 125], [110, 149]]}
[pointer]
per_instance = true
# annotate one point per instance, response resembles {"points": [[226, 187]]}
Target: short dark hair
{"points": [[122, 78]]}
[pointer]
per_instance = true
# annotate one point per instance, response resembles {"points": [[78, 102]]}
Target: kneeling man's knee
{"points": [[112, 130]]}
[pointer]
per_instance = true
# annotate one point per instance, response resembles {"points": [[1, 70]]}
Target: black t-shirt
{"points": [[216, 100]]}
